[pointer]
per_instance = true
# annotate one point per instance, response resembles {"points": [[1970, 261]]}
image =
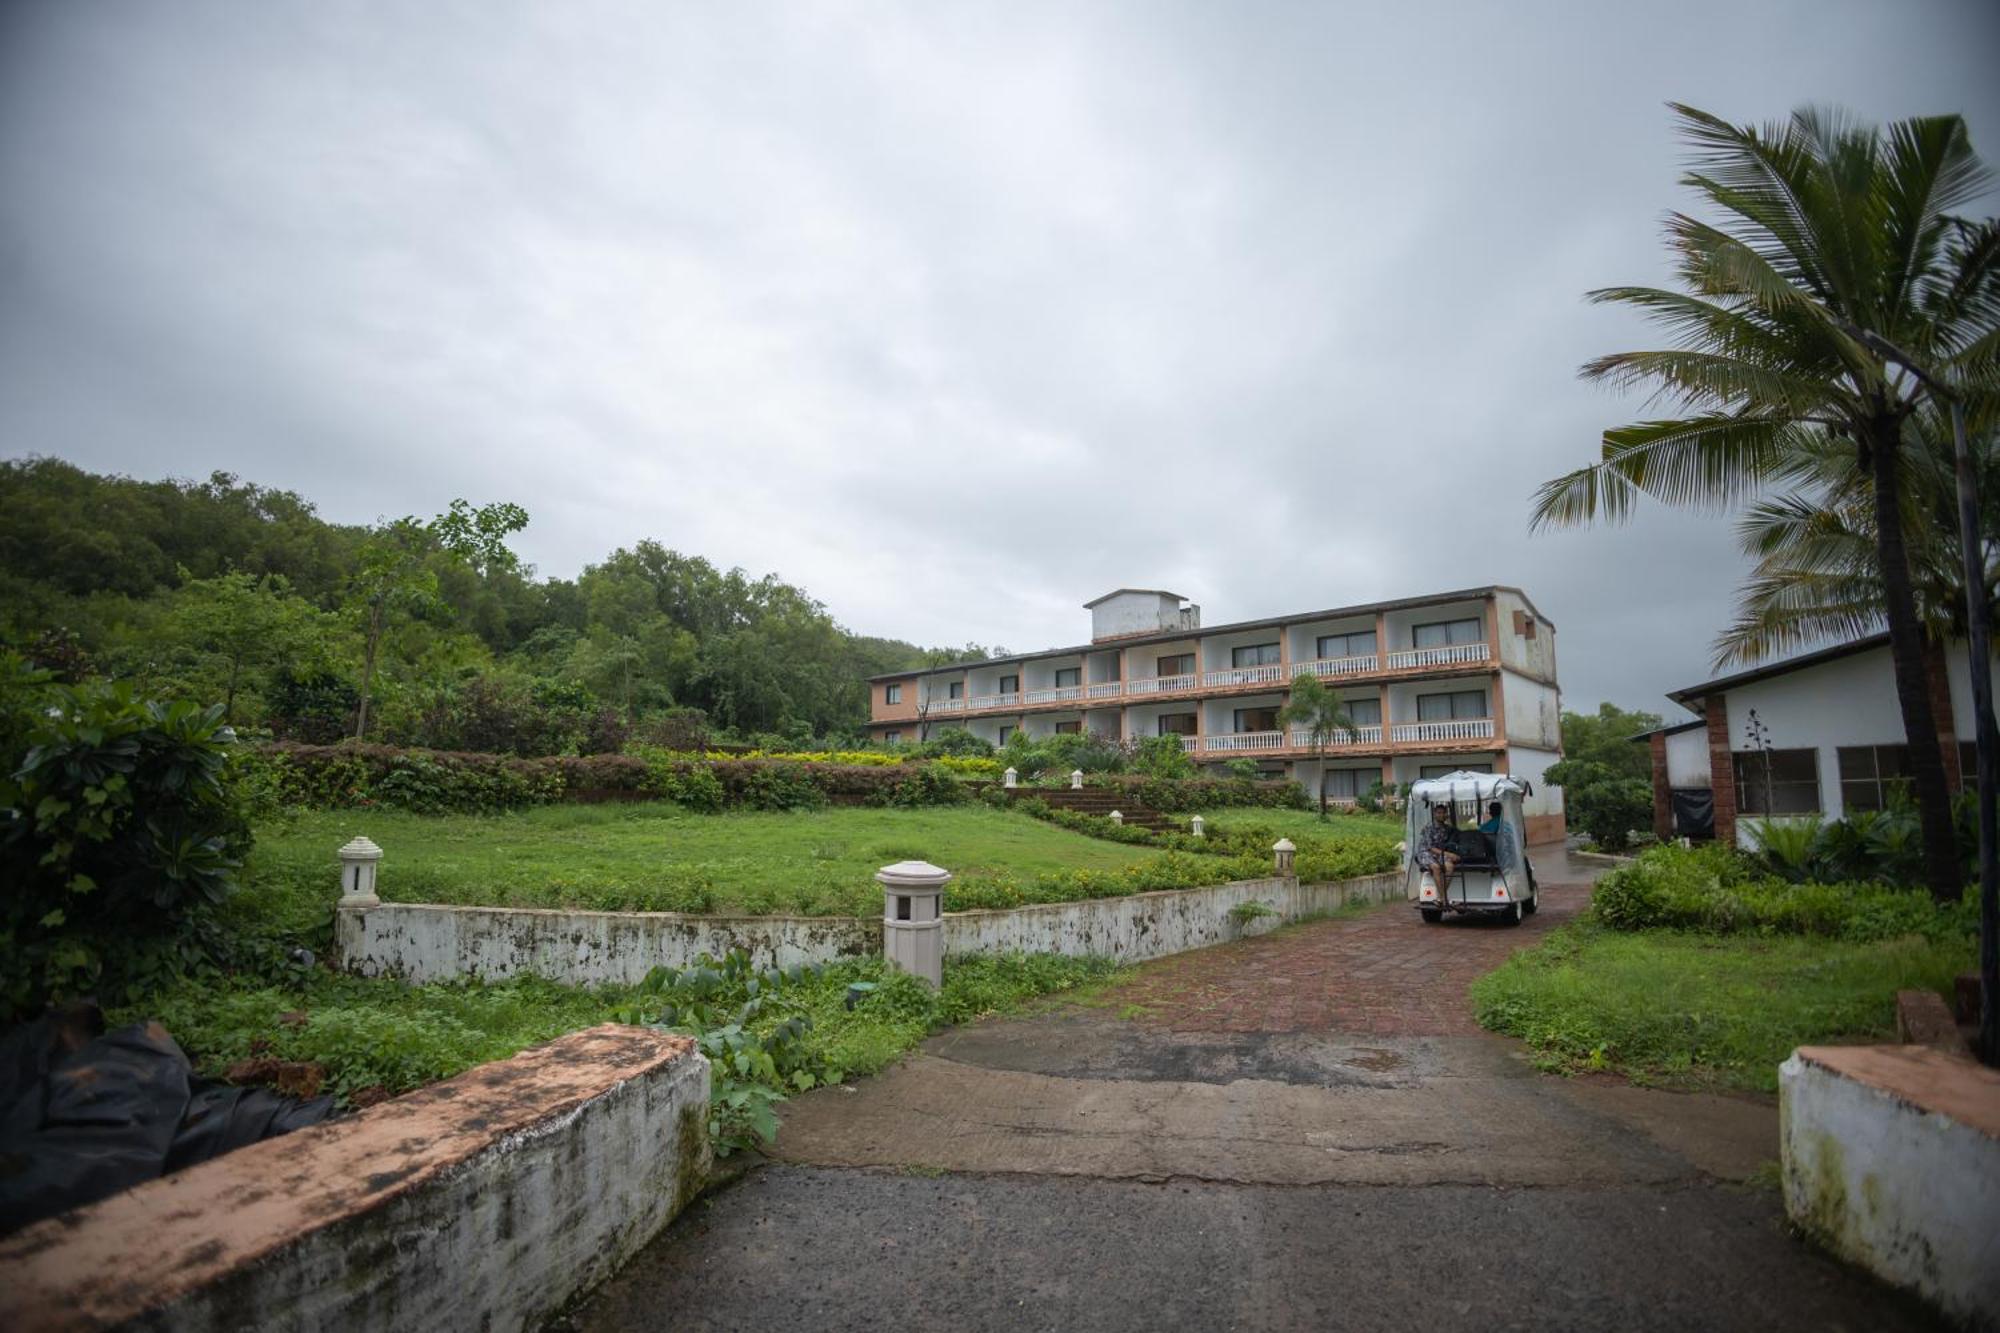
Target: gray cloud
{"points": [[957, 315]]}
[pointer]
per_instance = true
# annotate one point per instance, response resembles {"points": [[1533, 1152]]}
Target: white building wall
{"points": [[1533, 765], [1848, 701], [1533, 711], [1536, 656], [1687, 758], [1134, 613]]}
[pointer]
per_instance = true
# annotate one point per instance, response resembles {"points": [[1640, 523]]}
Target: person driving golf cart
{"points": [[1466, 869]]}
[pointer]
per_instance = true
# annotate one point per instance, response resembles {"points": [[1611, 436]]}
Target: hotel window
{"points": [[1177, 724], [1069, 728], [1871, 774], [1256, 719], [1006, 732], [1254, 654], [1344, 784], [1180, 664], [1365, 712], [1361, 643], [1445, 633], [955, 690], [1446, 770], [892, 737], [1068, 676], [1010, 684], [1459, 704], [1791, 778], [892, 694]]}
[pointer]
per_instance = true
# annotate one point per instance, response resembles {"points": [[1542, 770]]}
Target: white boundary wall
{"points": [[420, 942]]}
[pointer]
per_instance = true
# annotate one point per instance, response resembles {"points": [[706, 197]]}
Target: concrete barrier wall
{"points": [[1150, 925], [484, 1202], [424, 942], [1892, 1160], [420, 942]]}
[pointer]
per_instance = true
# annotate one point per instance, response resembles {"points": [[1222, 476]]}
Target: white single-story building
{"points": [[1820, 734]]}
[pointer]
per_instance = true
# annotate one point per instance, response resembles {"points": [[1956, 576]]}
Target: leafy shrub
{"points": [[955, 741], [121, 832], [1715, 889], [782, 786], [932, 784], [1244, 770], [1603, 804]]}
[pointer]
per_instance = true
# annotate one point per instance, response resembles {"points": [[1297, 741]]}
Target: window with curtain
{"points": [[1455, 706], [1445, 633], [1254, 654], [1361, 643], [1256, 719], [1068, 728], [1180, 664], [1067, 676], [1348, 783], [1366, 711], [1010, 684], [892, 694], [1177, 724]]}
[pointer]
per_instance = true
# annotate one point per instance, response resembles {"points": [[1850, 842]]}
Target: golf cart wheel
{"points": [[1431, 915], [1515, 917], [1534, 901]]}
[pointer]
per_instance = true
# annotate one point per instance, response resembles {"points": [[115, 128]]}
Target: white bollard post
{"points": [[1076, 779], [913, 918], [1010, 778], [1283, 847], [1118, 818], [358, 862], [1195, 826]]}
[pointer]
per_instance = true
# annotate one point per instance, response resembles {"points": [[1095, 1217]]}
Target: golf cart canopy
{"points": [[1465, 786]]}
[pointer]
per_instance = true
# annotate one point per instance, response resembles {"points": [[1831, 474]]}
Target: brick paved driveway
{"points": [[1383, 973]]}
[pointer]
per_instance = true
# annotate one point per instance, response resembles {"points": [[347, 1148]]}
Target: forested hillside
{"points": [[224, 591]]}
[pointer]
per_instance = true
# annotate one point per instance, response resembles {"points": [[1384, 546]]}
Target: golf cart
{"points": [[1492, 877]]}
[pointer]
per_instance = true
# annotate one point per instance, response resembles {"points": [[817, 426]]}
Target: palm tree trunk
{"points": [[1942, 868]]}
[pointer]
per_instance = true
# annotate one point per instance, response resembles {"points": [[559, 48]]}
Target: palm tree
{"points": [[1319, 711], [1814, 574], [1834, 238]]}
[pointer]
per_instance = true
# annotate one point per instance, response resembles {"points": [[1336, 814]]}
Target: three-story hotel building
{"points": [[1458, 680]]}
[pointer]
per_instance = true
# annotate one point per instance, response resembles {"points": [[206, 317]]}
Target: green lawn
{"points": [[1692, 1009], [656, 857], [1298, 824]]}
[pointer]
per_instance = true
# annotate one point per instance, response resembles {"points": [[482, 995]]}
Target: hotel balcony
{"points": [[1390, 666]]}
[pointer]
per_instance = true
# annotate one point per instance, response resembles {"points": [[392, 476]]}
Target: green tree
{"points": [[1829, 232], [1320, 712], [1605, 738], [1815, 575], [242, 623]]}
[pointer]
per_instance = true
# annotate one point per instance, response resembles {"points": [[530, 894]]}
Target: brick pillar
{"points": [[1947, 725], [1721, 771], [1663, 807]]}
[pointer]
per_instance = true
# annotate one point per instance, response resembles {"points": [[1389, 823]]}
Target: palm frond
{"points": [[1705, 462], [1719, 383]]}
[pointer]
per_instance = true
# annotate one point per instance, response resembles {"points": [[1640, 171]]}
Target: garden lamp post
{"points": [[1979, 651]]}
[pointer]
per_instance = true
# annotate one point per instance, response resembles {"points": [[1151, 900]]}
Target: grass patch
{"points": [[1691, 1009], [1338, 826], [655, 857], [370, 1033]]}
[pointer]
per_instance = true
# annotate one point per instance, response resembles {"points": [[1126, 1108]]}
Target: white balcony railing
{"points": [[1456, 654], [1256, 675], [1461, 729], [1368, 735], [1159, 684], [1109, 689], [1056, 695], [947, 705], [1324, 667], [1190, 744], [981, 702], [1245, 740]]}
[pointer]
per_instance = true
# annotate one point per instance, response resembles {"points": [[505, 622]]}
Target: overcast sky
{"points": [[955, 315]]}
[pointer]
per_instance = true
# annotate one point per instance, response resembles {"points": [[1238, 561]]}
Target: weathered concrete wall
{"points": [[420, 942], [1150, 925], [483, 1202], [423, 942], [1892, 1160]]}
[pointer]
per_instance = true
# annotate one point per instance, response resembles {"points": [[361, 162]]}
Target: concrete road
{"points": [[1302, 1131]]}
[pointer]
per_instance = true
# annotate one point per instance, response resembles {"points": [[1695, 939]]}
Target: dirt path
{"points": [[1305, 1130]]}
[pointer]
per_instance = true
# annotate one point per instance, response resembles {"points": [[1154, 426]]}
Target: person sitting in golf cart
{"points": [[1497, 828], [1437, 846]]}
